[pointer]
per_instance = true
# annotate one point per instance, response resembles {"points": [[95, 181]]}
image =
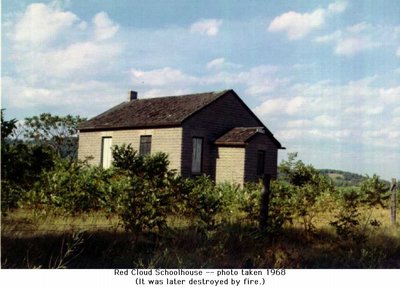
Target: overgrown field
{"points": [[93, 241], [58, 212], [77, 216]]}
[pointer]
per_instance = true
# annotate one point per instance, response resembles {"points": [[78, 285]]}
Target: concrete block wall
{"points": [[212, 122], [167, 140], [230, 165]]}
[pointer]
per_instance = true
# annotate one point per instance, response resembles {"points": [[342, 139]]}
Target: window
{"points": [[145, 145], [106, 155], [260, 162], [197, 155]]}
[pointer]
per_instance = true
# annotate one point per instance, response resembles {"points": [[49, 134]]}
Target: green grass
{"points": [[92, 241]]}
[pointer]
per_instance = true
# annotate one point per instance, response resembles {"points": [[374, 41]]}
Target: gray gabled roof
{"points": [[154, 112], [239, 135], [163, 112]]}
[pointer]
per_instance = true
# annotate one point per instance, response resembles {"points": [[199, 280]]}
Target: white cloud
{"points": [[57, 58], [84, 98], [49, 44], [105, 28], [324, 112], [298, 25], [41, 24], [258, 81], [358, 28], [209, 27], [165, 91], [337, 7], [216, 63], [221, 63], [325, 120], [390, 95], [357, 38], [279, 106], [352, 45], [18, 92], [329, 38], [398, 52], [74, 60], [162, 77]]}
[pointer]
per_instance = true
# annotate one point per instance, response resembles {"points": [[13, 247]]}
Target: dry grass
{"points": [[93, 241], [29, 222]]}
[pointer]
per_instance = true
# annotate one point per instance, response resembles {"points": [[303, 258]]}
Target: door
{"points": [[106, 154], [260, 162]]}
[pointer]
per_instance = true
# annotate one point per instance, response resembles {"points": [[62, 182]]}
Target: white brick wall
{"points": [[230, 165], [167, 140]]}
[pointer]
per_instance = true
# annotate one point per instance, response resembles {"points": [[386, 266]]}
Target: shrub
{"points": [[374, 191], [147, 200], [250, 201], [280, 208], [203, 200], [308, 187], [348, 218], [143, 205], [281, 205], [74, 187]]}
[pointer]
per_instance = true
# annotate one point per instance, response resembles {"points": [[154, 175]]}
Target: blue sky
{"points": [[324, 76]]}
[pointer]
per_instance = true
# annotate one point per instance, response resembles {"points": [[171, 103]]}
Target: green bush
{"points": [[202, 201], [374, 192], [74, 187], [280, 208], [250, 201], [349, 223], [21, 165], [308, 189], [347, 220], [148, 199]]}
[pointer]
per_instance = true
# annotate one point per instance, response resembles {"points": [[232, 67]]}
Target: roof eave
{"points": [[94, 129], [231, 144]]}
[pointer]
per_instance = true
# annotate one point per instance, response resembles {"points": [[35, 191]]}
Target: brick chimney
{"points": [[132, 95]]}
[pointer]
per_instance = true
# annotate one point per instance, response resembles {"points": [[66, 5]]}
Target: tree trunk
{"points": [[393, 202], [265, 196]]}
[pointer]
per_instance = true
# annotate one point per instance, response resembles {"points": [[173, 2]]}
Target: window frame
{"points": [[201, 155], [145, 146]]}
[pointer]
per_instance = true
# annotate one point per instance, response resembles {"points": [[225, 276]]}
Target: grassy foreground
{"points": [[92, 241]]}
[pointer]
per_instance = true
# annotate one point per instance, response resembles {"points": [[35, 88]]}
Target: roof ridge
{"points": [[158, 111], [185, 95]]}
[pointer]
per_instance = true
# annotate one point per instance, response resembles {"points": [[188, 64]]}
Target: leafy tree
{"points": [[127, 159], [308, 188], [203, 200], [348, 223], [7, 127], [56, 132], [348, 218], [147, 201], [375, 191], [23, 161]]}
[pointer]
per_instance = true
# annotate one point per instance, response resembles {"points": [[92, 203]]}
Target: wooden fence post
{"points": [[393, 201], [265, 196]]}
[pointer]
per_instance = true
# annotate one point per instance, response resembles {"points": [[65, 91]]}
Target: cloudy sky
{"points": [[324, 76]]}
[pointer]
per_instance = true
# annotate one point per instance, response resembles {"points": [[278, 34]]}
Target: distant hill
{"points": [[343, 178]]}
